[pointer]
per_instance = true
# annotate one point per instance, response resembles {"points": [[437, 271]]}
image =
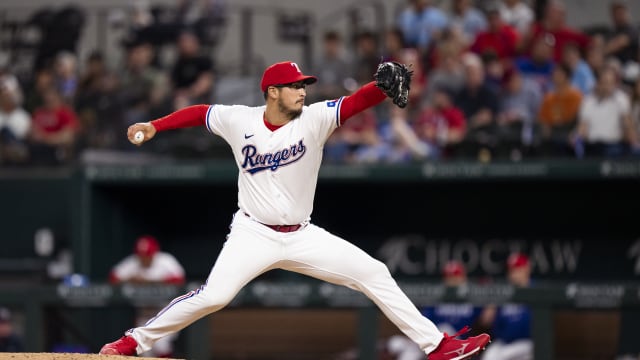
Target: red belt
{"points": [[281, 228]]}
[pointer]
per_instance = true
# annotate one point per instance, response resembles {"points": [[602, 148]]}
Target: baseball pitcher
{"points": [[278, 150]]}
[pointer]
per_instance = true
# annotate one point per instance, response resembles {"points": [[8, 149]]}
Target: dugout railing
{"points": [[544, 300]]}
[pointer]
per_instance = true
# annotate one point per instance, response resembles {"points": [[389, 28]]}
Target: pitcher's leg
{"points": [[317, 253], [245, 255]]}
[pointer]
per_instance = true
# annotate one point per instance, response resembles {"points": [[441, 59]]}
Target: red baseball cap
{"points": [[453, 268], [517, 260], [285, 72], [147, 245]]}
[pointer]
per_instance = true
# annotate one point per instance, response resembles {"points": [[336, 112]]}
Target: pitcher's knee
{"points": [[215, 300], [379, 269]]}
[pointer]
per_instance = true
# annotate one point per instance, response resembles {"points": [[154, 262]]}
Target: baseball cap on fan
{"points": [[282, 73], [147, 245], [453, 268], [517, 260]]}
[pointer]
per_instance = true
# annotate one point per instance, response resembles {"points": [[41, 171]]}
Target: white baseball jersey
{"points": [[164, 266], [278, 170]]}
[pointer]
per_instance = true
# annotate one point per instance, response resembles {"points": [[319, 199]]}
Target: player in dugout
{"points": [[278, 150], [149, 265]]}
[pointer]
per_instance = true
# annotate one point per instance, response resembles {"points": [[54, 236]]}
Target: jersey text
{"points": [[255, 162]]}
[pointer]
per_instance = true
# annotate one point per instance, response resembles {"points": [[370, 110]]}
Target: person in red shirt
{"points": [[499, 39], [554, 29], [54, 129], [441, 126]]}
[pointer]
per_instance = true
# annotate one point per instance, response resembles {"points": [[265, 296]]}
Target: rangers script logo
{"points": [[255, 162]]}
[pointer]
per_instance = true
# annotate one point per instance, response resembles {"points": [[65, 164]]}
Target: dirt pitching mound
{"points": [[65, 356]]}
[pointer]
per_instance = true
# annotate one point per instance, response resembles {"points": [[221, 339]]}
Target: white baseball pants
{"points": [[253, 248]]}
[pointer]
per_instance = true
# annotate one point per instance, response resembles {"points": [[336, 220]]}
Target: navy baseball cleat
{"points": [[451, 348], [126, 345]]}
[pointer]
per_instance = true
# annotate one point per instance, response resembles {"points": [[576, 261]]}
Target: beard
{"points": [[289, 113]]}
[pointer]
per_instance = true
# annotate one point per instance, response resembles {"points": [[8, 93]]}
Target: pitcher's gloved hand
{"points": [[394, 79]]}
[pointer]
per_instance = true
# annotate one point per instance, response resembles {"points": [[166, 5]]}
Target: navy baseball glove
{"points": [[394, 79]]}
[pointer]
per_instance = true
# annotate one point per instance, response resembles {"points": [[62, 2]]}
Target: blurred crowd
{"points": [[492, 80], [66, 105]]}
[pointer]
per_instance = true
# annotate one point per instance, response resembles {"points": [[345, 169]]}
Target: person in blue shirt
{"points": [[539, 66], [451, 317], [510, 324], [471, 20], [421, 23], [583, 78], [448, 317]]}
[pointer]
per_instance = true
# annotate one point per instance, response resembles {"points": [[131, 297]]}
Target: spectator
{"points": [[34, 95], [332, 69], [66, 76], [355, 138], [539, 66], [595, 54], [559, 112], [393, 134], [451, 41], [467, 17], [396, 50], [511, 323], [499, 39], [95, 69], [193, 72], [9, 340], [149, 265], [479, 104], [518, 111], [367, 56], [605, 119], [441, 126], [394, 45], [554, 30], [449, 70], [517, 14], [15, 122], [623, 43], [582, 78], [421, 23], [98, 105], [143, 87], [450, 318], [53, 134]]}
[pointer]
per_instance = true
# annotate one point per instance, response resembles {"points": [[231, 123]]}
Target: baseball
{"points": [[138, 137]]}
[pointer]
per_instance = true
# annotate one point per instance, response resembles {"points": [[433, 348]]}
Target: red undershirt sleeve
{"points": [[189, 116], [365, 97]]}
